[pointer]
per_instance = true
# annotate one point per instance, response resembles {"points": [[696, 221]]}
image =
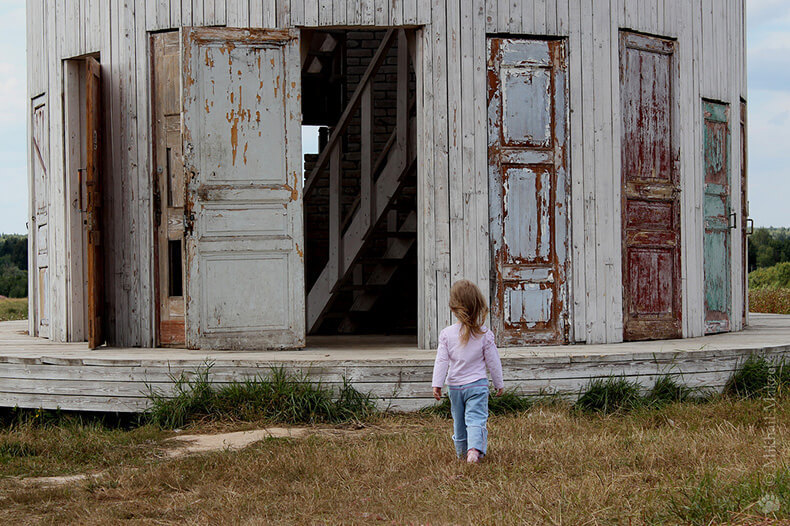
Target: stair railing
{"points": [[362, 99]]}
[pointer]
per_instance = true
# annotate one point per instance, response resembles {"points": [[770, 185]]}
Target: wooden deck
{"points": [[37, 373]]}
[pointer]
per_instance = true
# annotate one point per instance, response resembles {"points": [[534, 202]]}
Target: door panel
{"points": [[40, 132], [716, 210], [170, 191], [242, 157], [527, 188], [650, 192], [93, 186]]}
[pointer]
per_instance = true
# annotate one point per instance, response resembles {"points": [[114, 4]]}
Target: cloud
{"points": [[769, 156]]}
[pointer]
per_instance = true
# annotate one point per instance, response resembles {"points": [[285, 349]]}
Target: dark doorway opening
{"points": [[360, 197]]}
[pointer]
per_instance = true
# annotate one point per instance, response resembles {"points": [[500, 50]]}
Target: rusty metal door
{"points": [[527, 124], [169, 189], [243, 213], [93, 186], [650, 189], [716, 210]]}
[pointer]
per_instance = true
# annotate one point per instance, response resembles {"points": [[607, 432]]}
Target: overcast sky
{"points": [[769, 114]]}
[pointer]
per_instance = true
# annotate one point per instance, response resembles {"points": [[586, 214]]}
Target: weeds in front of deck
{"points": [[757, 377], [279, 397]]}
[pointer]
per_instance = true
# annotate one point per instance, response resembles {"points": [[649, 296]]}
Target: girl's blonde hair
{"points": [[470, 307]]}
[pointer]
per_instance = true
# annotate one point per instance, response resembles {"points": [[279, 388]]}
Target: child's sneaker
{"points": [[473, 456]]}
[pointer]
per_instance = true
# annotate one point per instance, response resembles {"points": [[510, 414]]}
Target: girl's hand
{"points": [[437, 393], [500, 392]]}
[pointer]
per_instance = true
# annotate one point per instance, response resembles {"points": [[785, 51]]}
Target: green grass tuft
{"points": [[668, 390], [610, 395], [711, 501], [278, 397], [751, 380]]}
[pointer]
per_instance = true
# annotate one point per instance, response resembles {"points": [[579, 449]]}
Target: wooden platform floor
{"points": [[35, 372]]}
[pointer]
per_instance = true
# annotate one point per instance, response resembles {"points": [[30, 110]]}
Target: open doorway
{"points": [[360, 186]]}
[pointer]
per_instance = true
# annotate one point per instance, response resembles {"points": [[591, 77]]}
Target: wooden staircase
{"points": [[374, 240]]}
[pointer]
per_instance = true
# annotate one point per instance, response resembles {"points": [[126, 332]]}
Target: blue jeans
{"points": [[469, 405]]}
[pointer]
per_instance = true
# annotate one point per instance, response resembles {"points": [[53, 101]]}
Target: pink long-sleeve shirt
{"points": [[463, 364]]}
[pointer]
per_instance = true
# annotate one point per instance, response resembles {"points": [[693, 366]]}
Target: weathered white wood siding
{"points": [[453, 196]]}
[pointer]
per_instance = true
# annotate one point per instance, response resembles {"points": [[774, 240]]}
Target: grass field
{"points": [[13, 309], [770, 300], [683, 463]]}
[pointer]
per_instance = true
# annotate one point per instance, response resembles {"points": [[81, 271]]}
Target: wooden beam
{"points": [[366, 176]]}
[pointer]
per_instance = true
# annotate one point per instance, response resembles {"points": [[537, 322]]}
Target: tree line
{"points": [[768, 247], [13, 265]]}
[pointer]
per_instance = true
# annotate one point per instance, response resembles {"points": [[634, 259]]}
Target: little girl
{"points": [[467, 349]]}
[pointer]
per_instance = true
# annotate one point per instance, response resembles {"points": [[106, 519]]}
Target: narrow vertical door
{"points": [[650, 189], [93, 186], [169, 189], [40, 228], [243, 212], [716, 210], [744, 216], [527, 122]]}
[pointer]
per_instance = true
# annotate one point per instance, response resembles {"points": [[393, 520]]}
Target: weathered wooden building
{"points": [[584, 161]]}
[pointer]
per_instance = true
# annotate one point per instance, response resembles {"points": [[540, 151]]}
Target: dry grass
{"points": [[770, 300], [683, 463], [13, 309]]}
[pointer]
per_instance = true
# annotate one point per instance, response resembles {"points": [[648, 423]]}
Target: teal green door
{"points": [[717, 217]]}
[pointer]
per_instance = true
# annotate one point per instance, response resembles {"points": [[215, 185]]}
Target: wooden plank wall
{"points": [[453, 195]]}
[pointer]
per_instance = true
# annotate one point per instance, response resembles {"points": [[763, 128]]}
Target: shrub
{"points": [[278, 397], [777, 276], [610, 395]]}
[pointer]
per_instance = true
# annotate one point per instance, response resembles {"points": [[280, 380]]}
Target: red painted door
{"points": [[93, 185], [527, 189], [650, 192]]}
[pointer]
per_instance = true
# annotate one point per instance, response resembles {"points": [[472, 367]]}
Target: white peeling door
{"points": [[243, 216]]}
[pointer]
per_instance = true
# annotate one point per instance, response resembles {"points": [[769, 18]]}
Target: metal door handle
{"points": [[750, 227], [732, 220]]}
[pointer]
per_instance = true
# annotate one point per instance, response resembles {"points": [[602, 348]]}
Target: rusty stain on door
{"points": [[527, 159], [650, 189], [716, 210]]}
